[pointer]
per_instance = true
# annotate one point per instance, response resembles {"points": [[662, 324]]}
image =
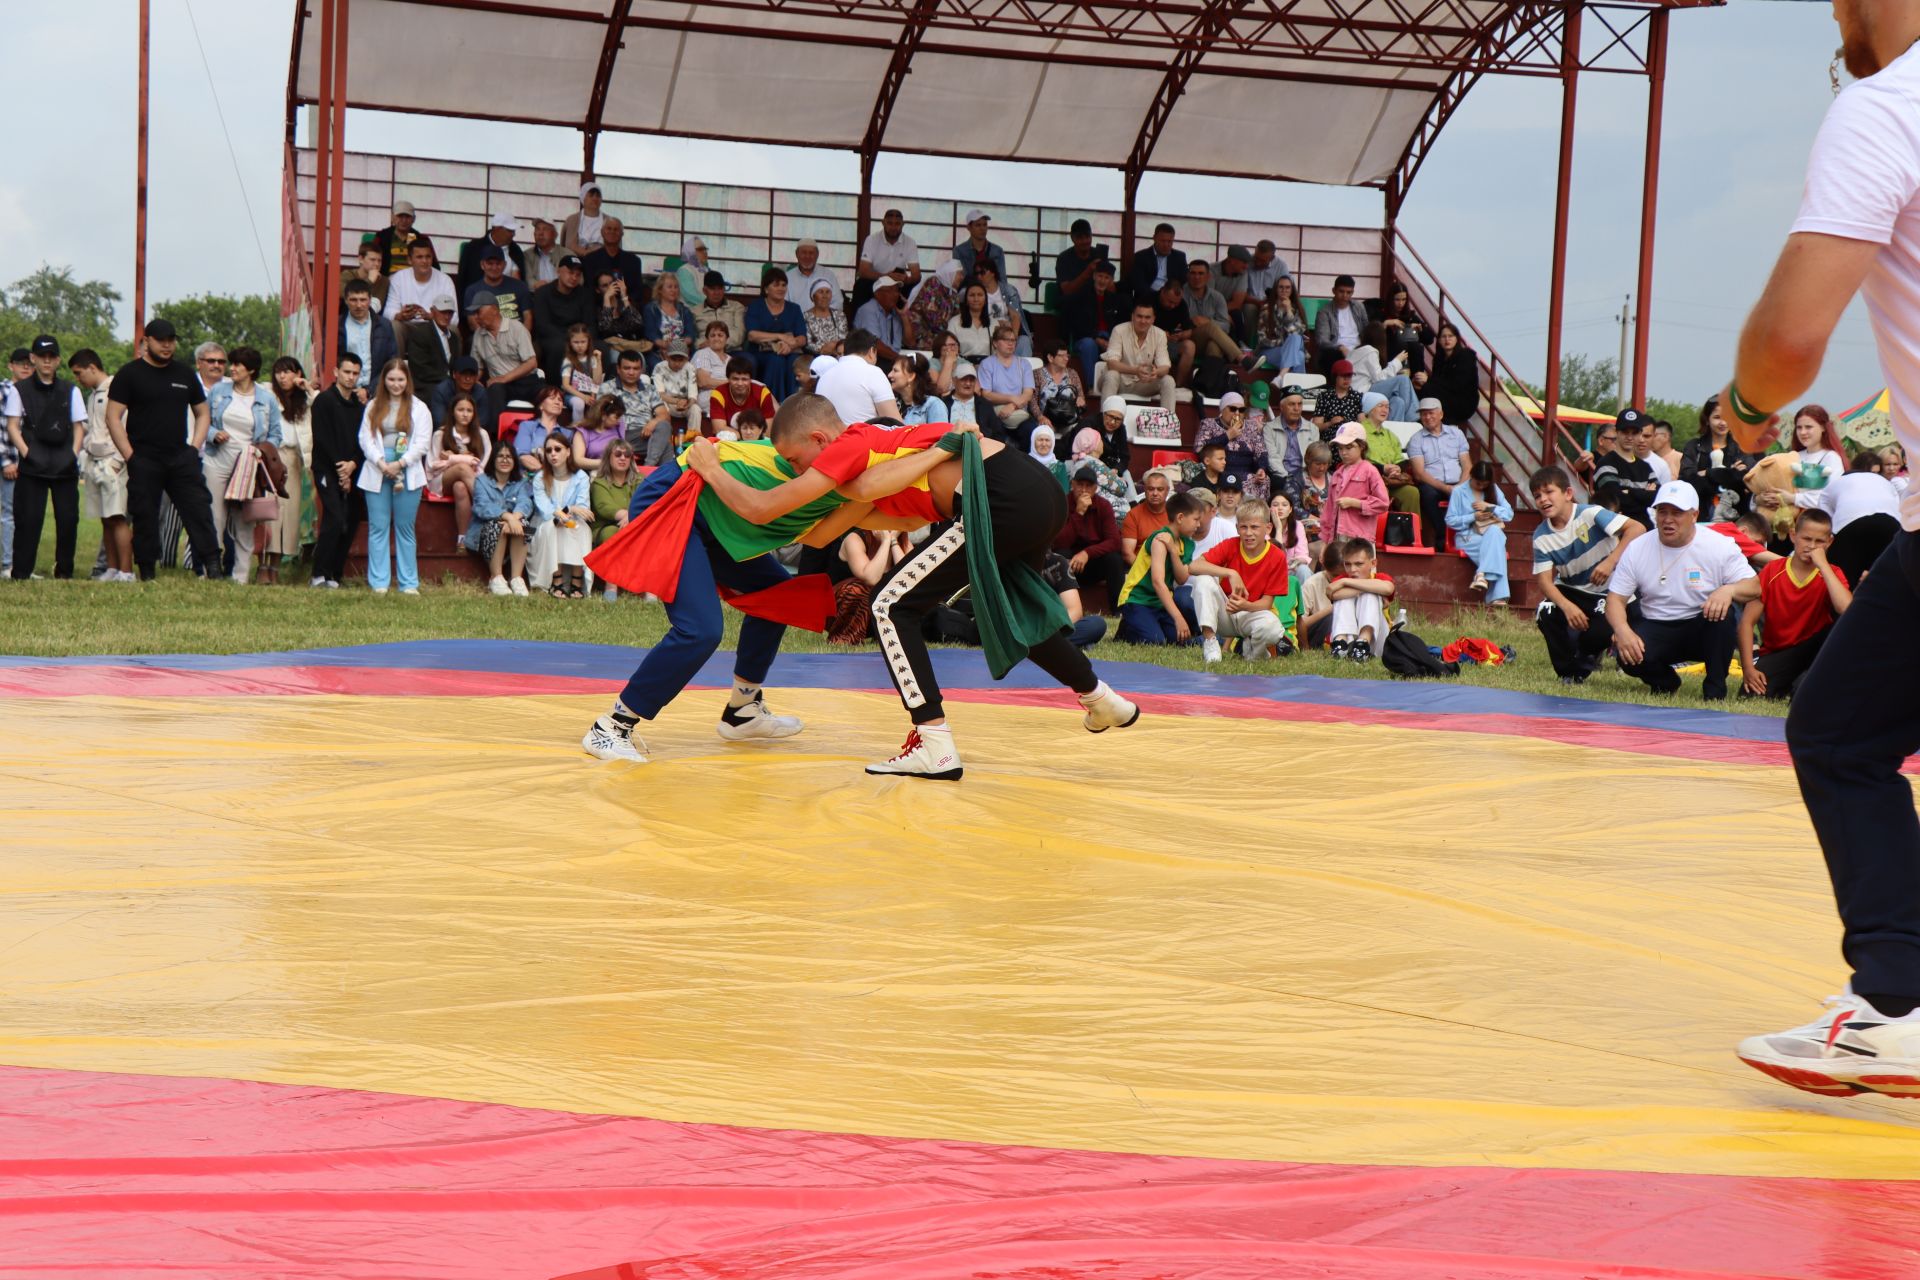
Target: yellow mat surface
{"points": [[1201, 937]]}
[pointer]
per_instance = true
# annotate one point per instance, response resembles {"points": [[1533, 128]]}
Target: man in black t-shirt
{"points": [[1633, 475], [150, 397], [1170, 315]]}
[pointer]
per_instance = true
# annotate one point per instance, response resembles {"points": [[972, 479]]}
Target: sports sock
{"points": [[1096, 693], [623, 719], [742, 694], [1893, 1006]]}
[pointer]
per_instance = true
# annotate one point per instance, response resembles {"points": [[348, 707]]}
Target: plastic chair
{"points": [[1170, 457], [510, 420], [1419, 547], [673, 262]]}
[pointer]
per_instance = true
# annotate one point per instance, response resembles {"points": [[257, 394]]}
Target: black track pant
{"points": [[176, 473], [1027, 509], [342, 512], [30, 494]]}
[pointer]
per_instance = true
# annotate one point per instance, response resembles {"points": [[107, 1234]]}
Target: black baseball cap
{"points": [[46, 345], [1630, 420], [493, 253], [1086, 475], [573, 260], [713, 280], [160, 330], [1231, 481], [20, 356], [465, 364]]}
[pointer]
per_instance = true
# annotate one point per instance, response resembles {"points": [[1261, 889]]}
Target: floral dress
{"points": [[931, 308], [825, 330], [1246, 457]]}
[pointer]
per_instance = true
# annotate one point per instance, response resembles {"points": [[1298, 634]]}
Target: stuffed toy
{"points": [[1772, 482]]}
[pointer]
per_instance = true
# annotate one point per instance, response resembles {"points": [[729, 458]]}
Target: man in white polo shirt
{"points": [[1856, 714], [1688, 581], [856, 387]]}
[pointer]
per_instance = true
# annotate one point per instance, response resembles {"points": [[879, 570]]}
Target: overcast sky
{"points": [[1746, 89]]}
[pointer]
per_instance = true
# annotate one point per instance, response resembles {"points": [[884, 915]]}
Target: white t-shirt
{"points": [[1830, 462], [855, 386], [237, 421], [1856, 494], [1662, 473], [403, 291], [10, 406], [1674, 582], [901, 255], [1863, 183], [1344, 333], [1219, 530]]}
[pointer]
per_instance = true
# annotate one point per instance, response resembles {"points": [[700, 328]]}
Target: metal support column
{"points": [[334, 194], [1131, 180], [1389, 234], [140, 179], [1650, 197], [323, 320], [1556, 300], [863, 209]]}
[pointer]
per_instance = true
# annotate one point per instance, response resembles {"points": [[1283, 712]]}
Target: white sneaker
{"points": [[318, 582], [1107, 709], [927, 753], [605, 741], [518, 586], [1852, 1049], [379, 591], [1479, 582], [738, 724], [333, 584], [498, 586], [409, 591], [1210, 649], [118, 575]]}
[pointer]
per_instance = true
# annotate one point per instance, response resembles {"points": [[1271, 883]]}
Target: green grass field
{"points": [[182, 614]]}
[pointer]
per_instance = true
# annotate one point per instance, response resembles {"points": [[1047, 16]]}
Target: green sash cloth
{"points": [[1013, 606]]}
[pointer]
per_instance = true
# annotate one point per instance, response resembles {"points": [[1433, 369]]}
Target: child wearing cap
{"points": [[676, 383], [1356, 494]]}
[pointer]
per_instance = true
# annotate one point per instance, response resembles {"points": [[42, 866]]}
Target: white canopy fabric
{"points": [[1322, 91]]}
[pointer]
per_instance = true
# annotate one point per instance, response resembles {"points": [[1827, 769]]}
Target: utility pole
{"points": [[1626, 321], [140, 177]]}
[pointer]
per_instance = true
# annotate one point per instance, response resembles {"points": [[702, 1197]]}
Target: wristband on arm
{"points": [[1742, 410]]}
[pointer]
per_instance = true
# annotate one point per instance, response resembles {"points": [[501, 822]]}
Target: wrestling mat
{"points": [[348, 963]]}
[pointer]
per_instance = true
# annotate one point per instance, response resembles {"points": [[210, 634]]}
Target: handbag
{"points": [[1399, 529], [265, 504]]}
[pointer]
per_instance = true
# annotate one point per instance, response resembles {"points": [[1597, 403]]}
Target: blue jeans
{"points": [[1289, 356], [1855, 720], [390, 513], [6, 526], [694, 618], [1488, 551], [1090, 350], [1400, 397], [1143, 624]]}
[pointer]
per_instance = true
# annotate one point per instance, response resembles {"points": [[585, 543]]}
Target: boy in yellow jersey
{"points": [[1156, 603]]}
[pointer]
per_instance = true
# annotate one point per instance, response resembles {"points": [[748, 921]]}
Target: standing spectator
{"points": [[1290, 532], [1356, 493], [1287, 436], [1231, 284], [1266, 270], [912, 380], [558, 308], [717, 308], [456, 458], [610, 259], [1280, 330], [679, 390], [1714, 464], [1137, 362], [1245, 443], [396, 240], [855, 385], [887, 254], [22, 369], [296, 452], [1073, 272], [1628, 469], [1866, 515], [665, 318], [933, 301], [394, 437], [431, 349], [46, 423], [880, 316], [1478, 513], [1237, 587], [1360, 595], [1337, 329], [1818, 444], [645, 415], [1212, 326], [1156, 600], [1801, 597], [512, 296], [582, 369], [1385, 379], [336, 413], [1438, 456], [498, 534], [543, 260], [242, 415], [1575, 549], [1455, 378], [501, 231], [972, 322], [410, 293], [1687, 581], [976, 250], [103, 472], [741, 393], [1149, 515], [365, 332], [1157, 264], [776, 333], [1090, 539], [1662, 433], [582, 231], [150, 397], [1644, 451], [506, 352], [1091, 316], [1006, 382], [1004, 305], [807, 274], [1315, 490]]}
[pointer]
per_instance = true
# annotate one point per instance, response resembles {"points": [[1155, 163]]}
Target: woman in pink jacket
{"points": [[1356, 495]]}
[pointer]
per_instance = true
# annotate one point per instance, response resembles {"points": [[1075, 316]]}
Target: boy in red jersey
{"points": [[1801, 597], [1236, 586], [1026, 509]]}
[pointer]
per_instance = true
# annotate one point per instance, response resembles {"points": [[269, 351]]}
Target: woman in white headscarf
{"points": [[932, 301], [581, 232], [1040, 449], [693, 269]]}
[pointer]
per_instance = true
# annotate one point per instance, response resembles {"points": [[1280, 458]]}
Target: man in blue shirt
{"points": [[366, 333], [1437, 458]]}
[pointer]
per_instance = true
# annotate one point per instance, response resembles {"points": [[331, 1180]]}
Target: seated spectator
{"points": [[562, 523], [506, 353], [1314, 491], [881, 316], [1406, 332], [1006, 383], [463, 379], [1437, 458], [1242, 587], [1040, 447], [581, 231], [1004, 305], [1115, 486], [501, 232], [678, 387], [1454, 379], [456, 456], [1223, 510], [1386, 378], [1715, 466], [498, 530], [1090, 539], [431, 349], [1478, 513], [543, 260], [859, 566], [1212, 326], [1244, 440], [1801, 597], [1156, 264], [665, 318], [807, 275], [1212, 457], [1088, 629], [710, 362], [1285, 438], [1687, 581], [1360, 595], [371, 268], [1137, 362], [1172, 317], [826, 323], [644, 414], [552, 420], [749, 426], [582, 369], [1894, 457], [694, 269], [1575, 550], [1627, 467], [1356, 493], [1280, 330], [1150, 515], [622, 326], [1156, 601], [1751, 532], [1290, 533], [603, 424], [1316, 604], [612, 260], [972, 322], [742, 391], [934, 300], [966, 404], [369, 335], [912, 380], [1337, 329], [976, 248], [609, 495], [1092, 315], [717, 308], [946, 358], [1059, 395], [855, 385], [512, 296], [1266, 269], [1338, 403], [558, 308], [395, 241], [1384, 452]]}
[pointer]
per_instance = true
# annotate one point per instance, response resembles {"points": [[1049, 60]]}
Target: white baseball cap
{"points": [[978, 215], [821, 364], [505, 221], [1677, 494]]}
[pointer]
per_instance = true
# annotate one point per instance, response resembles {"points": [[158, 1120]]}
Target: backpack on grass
{"points": [[1406, 654]]}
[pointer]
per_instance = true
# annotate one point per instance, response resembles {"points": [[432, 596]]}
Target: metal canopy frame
{"points": [[1442, 47]]}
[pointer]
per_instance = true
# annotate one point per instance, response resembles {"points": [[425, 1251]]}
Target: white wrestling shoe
{"points": [[605, 741], [1851, 1049], [740, 724], [1107, 709], [927, 753]]}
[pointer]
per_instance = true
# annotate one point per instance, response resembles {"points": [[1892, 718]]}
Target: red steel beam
{"points": [[140, 177], [602, 78], [322, 184], [1556, 299], [1649, 200], [899, 66], [1173, 83]]}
